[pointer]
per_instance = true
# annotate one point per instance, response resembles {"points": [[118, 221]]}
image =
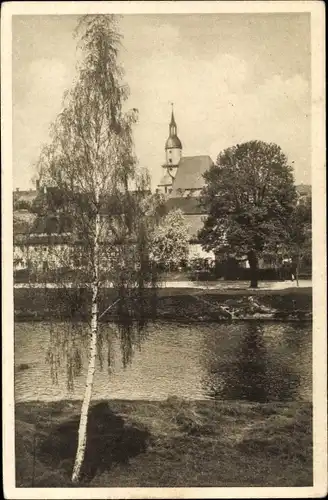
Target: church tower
{"points": [[173, 152], [173, 146]]}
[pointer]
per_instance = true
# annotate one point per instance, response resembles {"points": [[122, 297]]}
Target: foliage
{"points": [[170, 240], [92, 180], [90, 166], [297, 244], [248, 194]]}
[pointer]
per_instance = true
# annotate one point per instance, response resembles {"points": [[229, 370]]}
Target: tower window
{"points": [[170, 160]]}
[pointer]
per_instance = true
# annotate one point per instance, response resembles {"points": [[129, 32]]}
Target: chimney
{"points": [[17, 189]]}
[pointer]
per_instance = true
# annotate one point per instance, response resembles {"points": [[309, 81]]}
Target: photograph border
{"points": [[317, 11]]}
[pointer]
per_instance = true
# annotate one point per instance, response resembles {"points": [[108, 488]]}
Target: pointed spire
{"points": [[172, 115], [173, 126]]}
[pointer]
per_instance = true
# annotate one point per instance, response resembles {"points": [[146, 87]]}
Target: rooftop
{"points": [[173, 142], [190, 173], [166, 180]]}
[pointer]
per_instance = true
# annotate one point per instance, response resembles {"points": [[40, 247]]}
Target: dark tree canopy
{"points": [[249, 192], [297, 244]]}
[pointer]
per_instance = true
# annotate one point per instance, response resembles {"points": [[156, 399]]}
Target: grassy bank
{"points": [[173, 443], [178, 304]]}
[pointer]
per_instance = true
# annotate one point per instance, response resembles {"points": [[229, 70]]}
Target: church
{"points": [[181, 184]]}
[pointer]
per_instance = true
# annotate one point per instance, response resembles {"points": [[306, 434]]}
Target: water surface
{"points": [[237, 361]]}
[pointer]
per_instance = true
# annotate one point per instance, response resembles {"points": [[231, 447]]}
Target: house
{"points": [[50, 238]]}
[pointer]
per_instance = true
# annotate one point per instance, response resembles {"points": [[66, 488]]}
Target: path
{"points": [[203, 285]]}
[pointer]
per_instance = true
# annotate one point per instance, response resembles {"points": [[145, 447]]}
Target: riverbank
{"points": [[176, 304], [172, 443]]}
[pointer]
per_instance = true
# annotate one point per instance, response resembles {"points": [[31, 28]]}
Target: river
{"points": [[254, 361]]}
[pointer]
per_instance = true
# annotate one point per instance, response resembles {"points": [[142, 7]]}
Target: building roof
{"points": [[28, 196], [304, 189], [166, 180], [51, 224], [173, 142], [190, 173]]}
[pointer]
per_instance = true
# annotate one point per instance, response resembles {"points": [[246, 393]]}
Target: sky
{"points": [[232, 78]]}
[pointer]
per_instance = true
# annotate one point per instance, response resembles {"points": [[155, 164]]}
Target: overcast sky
{"points": [[232, 77]]}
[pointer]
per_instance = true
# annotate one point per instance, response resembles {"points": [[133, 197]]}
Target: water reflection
{"points": [[249, 361], [257, 369]]}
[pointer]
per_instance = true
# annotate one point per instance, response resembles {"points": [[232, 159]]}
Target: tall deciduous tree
{"points": [[90, 165], [248, 194]]}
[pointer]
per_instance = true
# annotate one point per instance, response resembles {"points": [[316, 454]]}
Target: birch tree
{"points": [[91, 166]]}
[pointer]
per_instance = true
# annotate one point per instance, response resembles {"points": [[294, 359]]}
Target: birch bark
{"points": [[82, 433]]}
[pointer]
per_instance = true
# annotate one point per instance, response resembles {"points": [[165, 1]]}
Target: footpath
{"points": [[203, 285], [236, 285]]}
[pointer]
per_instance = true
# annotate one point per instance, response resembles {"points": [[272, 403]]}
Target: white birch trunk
{"points": [[82, 433]]}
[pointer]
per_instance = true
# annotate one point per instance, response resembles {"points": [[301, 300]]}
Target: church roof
{"points": [[190, 173], [166, 180], [173, 142]]}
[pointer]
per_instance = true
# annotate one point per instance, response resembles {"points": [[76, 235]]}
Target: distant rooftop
{"points": [[25, 195], [304, 189]]}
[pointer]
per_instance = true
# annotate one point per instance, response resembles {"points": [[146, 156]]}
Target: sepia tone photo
{"points": [[161, 262]]}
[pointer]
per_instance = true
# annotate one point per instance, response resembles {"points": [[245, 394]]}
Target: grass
{"points": [[172, 443], [177, 304]]}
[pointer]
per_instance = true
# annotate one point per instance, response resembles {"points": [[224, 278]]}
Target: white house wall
{"points": [[196, 252]]}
